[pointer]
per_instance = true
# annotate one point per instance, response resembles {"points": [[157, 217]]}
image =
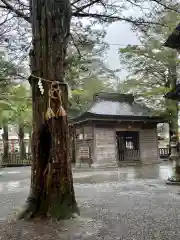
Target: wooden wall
{"points": [[84, 151], [105, 146], [84, 144], [101, 141], [149, 146]]}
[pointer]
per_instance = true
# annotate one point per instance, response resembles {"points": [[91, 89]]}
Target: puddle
{"points": [[11, 186], [13, 172], [1, 187], [9, 172]]}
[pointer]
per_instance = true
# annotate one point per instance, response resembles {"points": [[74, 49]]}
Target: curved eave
{"points": [[110, 118]]}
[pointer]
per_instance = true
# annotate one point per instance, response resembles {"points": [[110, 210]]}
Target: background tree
{"points": [[16, 20], [21, 115], [88, 79], [154, 70], [86, 73], [7, 81]]}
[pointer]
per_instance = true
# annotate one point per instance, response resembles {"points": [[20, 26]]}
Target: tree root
{"points": [[57, 209], [29, 210]]}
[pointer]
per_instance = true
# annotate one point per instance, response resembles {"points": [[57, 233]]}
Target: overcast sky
{"points": [[119, 33]]}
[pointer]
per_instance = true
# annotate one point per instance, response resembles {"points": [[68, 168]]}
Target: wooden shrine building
{"points": [[115, 130]]}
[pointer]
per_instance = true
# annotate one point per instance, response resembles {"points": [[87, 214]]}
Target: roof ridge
{"points": [[114, 96], [116, 107]]}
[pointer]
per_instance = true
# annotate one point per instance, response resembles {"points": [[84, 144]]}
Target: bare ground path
{"points": [[130, 204]]}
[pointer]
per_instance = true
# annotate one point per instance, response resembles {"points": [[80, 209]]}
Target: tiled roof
{"points": [[117, 108], [114, 105]]}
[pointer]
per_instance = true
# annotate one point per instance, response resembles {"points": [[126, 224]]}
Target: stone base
{"points": [[104, 165], [129, 163], [115, 164], [152, 163], [82, 165], [174, 180], [172, 183]]}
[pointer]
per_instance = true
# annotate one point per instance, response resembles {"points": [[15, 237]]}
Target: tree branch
{"points": [[87, 5], [76, 46], [114, 18], [19, 14], [165, 6]]}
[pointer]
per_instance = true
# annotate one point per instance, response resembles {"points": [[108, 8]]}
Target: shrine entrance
{"points": [[128, 146]]}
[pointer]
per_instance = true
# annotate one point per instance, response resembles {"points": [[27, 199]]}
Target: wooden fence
{"points": [[14, 160], [133, 155], [129, 155]]}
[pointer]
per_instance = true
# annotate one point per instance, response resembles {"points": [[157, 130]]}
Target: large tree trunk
{"points": [[172, 109], [173, 121], [5, 137], [173, 104], [52, 192], [21, 142]]}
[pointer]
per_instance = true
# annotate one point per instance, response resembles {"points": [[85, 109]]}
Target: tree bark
{"points": [[173, 118], [52, 192], [30, 142], [5, 137], [72, 135], [173, 104], [21, 142]]}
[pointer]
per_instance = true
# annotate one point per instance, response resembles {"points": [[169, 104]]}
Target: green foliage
{"points": [[82, 95], [22, 111], [15, 102], [87, 74], [153, 69], [7, 73]]}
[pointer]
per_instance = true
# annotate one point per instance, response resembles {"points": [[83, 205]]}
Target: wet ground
{"points": [[132, 203]]}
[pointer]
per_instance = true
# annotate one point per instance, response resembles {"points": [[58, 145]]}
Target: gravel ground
{"points": [[129, 204]]}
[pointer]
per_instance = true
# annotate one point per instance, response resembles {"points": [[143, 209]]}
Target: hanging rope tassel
{"points": [[49, 113], [61, 111], [55, 95]]}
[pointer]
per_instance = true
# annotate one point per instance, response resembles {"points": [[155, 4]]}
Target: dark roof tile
{"points": [[118, 108], [114, 105]]}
